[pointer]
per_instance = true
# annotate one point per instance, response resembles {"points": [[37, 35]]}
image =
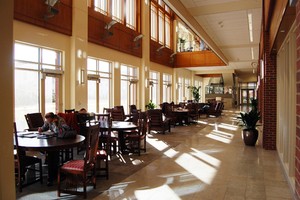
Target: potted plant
{"points": [[195, 92], [249, 121], [150, 105]]}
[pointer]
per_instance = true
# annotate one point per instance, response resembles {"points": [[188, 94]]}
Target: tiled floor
{"points": [[212, 163], [206, 161]]}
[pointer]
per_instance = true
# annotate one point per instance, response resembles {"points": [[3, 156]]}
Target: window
{"points": [[40, 87], [187, 91], [129, 79], [161, 23], [161, 33], [117, 10], [153, 22], [101, 6], [167, 86], [122, 11], [131, 14], [99, 84], [154, 87], [180, 89]]}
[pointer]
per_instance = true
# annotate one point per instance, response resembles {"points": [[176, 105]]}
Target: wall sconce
{"points": [[177, 86], [137, 38], [160, 48], [51, 11], [82, 76], [110, 24], [172, 57], [169, 85]]}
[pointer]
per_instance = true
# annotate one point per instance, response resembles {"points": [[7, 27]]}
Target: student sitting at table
{"points": [[54, 123], [57, 125]]}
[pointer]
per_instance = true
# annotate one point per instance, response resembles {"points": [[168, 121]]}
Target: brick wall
{"points": [[297, 156], [269, 97]]}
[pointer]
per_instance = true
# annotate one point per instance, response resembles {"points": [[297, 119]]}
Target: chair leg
{"points": [[41, 171], [84, 186], [106, 165], [58, 183]]}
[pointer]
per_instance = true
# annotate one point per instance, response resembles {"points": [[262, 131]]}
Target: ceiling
{"points": [[227, 24]]}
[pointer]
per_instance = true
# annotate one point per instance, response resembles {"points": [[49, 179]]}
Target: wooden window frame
{"points": [[123, 21], [166, 12]]}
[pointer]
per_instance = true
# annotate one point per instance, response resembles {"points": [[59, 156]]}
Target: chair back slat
{"points": [[91, 145]]}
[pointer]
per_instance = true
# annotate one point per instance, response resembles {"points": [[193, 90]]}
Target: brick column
{"points": [[269, 96], [297, 156]]}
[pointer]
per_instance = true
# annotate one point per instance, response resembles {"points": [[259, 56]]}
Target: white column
{"points": [[79, 41], [7, 181]]}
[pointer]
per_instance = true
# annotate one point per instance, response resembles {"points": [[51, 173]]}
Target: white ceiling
{"points": [[226, 22]]}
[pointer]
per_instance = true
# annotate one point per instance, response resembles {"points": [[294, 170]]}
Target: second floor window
{"points": [[161, 23], [122, 11], [117, 10], [101, 6]]}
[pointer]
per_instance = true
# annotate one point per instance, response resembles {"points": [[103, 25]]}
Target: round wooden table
{"points": [[32, 141], [120, 126], [28, 143]]}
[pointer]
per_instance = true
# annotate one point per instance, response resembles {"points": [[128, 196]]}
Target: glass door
{"points": [[246, 96], [52, 94]]}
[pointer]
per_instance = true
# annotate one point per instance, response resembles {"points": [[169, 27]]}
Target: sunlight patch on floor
{"points": [[228, 126], [158, 144], [217, 135], [206, 158], [171, 153], [199, 169], [162, 192]]}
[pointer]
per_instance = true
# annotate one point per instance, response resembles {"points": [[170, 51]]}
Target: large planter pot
{"points": [[250, 136]]}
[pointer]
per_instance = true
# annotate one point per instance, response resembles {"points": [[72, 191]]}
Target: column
{"points": [[7, 178], [269, 96], [144, 91], [297, 156], [79, 43]]}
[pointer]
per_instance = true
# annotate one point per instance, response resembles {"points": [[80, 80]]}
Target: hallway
{"points": [[212, 163]]}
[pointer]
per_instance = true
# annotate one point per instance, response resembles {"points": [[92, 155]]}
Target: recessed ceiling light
{"points": [[250, 24], [282, 31]]}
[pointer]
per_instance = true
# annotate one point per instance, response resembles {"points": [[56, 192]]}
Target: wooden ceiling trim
{"points": [[209, 75]]}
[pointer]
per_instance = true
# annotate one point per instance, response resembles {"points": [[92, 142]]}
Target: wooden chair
{"points": [[106, 141], [168, 111], [135, 138], [34, 121], [217, 110], [156, 121], [117, 113], [83, 171], [25, 163], [193, 112], [69, 110]]}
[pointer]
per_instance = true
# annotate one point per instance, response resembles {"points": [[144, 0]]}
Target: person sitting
{"points": [[57, 125], [54, 123], [82, 111]]}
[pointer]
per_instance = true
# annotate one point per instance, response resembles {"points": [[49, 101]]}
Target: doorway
{"points": [[246, 96]]}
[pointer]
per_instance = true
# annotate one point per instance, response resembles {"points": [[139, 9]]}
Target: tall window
{"points": [[101, 6], [123, 11], [153, 22], [187, 92], [180, 89], [167, 86], [38, 73], [131, 13], [117, 10], [161, 23], [129, 79], [154, 87], [99, 84]]}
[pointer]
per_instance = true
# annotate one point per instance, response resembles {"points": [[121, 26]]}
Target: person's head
{"points": [[82, 110], [50, 117]]}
